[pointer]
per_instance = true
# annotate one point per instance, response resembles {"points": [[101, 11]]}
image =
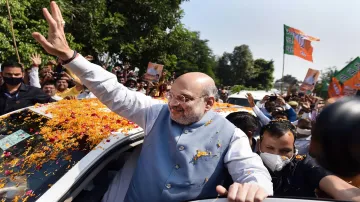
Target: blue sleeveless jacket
{"points": [[179, 163]]}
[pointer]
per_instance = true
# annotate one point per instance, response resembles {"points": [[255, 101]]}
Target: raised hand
{"points": [[70, 97], [265, 99], [280, 101], [250, 99], [56, 43], [35, 59], [64, 74]]}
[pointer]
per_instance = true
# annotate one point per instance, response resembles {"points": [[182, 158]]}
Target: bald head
{"points": [[191, 96], [198, 83]]}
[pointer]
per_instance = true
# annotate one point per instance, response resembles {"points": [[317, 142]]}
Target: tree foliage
{"points": [[134, 31], [328, 73], [239, 68], [289, 79], [324, 81], [262, 77], [27, 17], [238, 88]]}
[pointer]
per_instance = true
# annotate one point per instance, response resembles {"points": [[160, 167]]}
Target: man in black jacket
{"points": [[14, 94], [297, 175]]}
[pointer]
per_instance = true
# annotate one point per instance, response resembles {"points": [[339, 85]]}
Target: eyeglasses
{"points": [[180, 98]]}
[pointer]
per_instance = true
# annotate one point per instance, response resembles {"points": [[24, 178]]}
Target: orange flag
{"points": [[298, 43], [335, 88]]}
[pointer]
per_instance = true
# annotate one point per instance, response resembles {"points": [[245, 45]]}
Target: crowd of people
{"points": [[58, 83], [281, 133], [287, 150]]}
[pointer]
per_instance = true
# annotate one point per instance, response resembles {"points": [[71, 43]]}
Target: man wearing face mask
{"points": [[14, 94], [303, 130], [296, 175]]}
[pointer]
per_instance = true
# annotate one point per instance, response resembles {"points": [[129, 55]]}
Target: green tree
{"points": [[224, 70], [27, 17], [127, 31], [242, 64], [136, 31], [262, 75], [289, 79], [236, 67], [238, 88], [324, 81], [328, 73], [239, 68]]}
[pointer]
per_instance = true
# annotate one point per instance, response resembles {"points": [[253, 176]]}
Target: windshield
{"points": [[240, 101], [27, 169]]}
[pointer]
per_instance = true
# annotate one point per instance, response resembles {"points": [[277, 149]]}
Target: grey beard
{"points": [[186, 120]]}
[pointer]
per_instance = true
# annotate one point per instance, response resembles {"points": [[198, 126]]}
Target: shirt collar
{"points": [[22, 87]]}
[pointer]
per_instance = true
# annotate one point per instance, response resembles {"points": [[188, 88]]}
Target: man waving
{"points": [[188, 149]]}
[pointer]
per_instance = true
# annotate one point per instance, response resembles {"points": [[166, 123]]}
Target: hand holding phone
{"points": [[272, 98]]}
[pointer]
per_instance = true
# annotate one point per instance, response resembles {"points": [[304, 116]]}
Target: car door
{"points": [[89, 171]]}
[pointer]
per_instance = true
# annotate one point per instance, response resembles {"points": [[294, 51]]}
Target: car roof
{"points": [[61, 187], [258, 95]]}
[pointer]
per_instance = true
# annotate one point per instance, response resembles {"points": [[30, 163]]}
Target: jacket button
{"points": [[168, 186], [181, 148], [177, 166], [186, 131]]}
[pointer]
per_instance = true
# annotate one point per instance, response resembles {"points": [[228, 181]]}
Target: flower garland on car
{"points": [[75, 125], [74, 121]]}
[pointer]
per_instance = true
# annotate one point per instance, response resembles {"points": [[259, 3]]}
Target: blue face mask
{"points": [[12, 81]]}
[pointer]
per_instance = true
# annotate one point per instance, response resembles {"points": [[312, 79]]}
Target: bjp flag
{"points": [[335, 88], [298, 43], [349, 76]]}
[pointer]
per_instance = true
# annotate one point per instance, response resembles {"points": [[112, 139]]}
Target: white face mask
{"points": [[303, 131], [274, 162]]}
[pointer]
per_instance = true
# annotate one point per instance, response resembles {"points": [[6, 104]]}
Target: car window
{"points": [[27, 170], [240, 101]]}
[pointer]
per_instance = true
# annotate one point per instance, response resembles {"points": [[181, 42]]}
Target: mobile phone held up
{"points": [[59, 69], [301, 94], [272, 98], [56, 75]]}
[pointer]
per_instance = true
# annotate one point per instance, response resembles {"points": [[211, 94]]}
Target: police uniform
{"points": [[300, 178]]}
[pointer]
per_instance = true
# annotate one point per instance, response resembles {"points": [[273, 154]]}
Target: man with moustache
{"points": [[188, 148]]}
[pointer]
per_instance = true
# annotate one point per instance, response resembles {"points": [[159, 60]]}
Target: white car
{"points": [[84, 177], [241, 100]]}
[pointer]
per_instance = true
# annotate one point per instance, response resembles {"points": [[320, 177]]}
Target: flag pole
{"points": [[282, 76], [12, 31]]}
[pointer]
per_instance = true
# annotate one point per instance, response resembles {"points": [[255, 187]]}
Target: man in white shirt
{"points": [[174, 133], [141, 88]]}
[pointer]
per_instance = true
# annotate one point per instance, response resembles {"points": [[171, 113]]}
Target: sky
{"points": [[259, 24]]}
